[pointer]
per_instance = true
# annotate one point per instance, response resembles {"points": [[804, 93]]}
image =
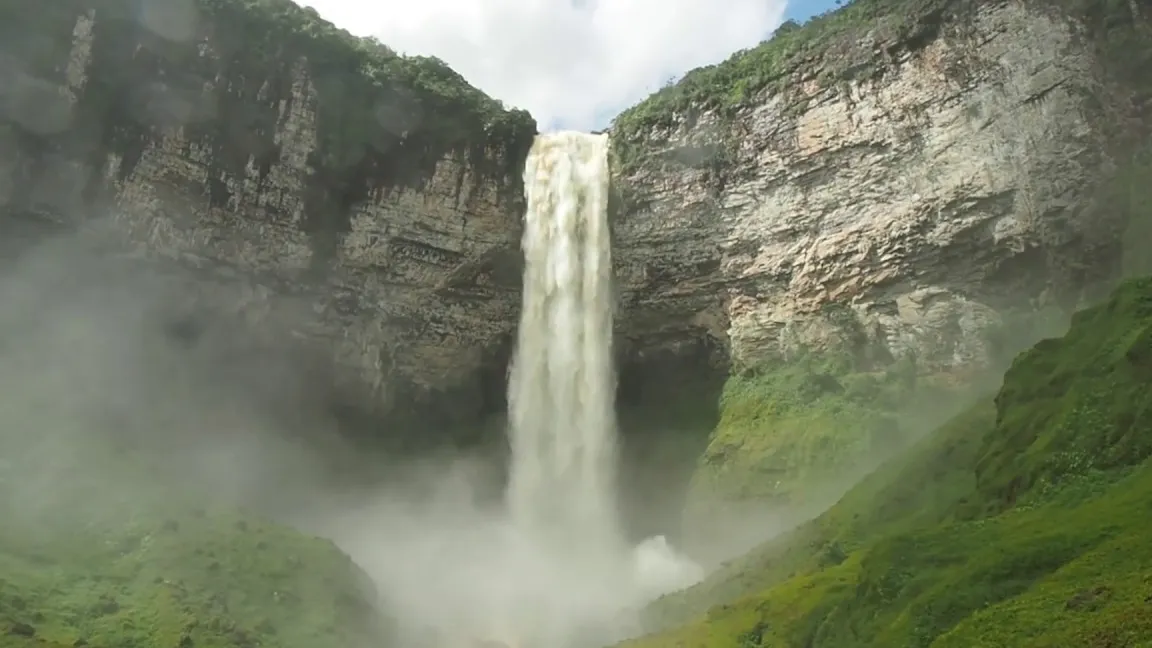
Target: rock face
{"points": [[903, 183], [861, 221], [891, 180], [362, 202]]}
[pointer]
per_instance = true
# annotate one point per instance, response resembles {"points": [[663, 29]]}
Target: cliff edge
{"points": [[892, 197], [365, 202]]}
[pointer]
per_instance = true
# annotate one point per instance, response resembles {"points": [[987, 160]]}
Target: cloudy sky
{"points": [[571, 63]]}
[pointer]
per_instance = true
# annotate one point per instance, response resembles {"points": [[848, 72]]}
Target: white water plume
{"points": [[560, 394], [553, 567], [561, 492]]}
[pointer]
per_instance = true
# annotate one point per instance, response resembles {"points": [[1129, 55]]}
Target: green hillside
{"points": [[195, 578], [1024, 521]]}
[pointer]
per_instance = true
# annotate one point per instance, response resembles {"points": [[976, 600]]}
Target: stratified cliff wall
{"points": [[869, 199], [323, 188]]}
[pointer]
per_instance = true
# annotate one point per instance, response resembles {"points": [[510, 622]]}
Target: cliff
{"points": [[325, 190], [888, 199], [816, 241], [215, 215], [1021, 522]]}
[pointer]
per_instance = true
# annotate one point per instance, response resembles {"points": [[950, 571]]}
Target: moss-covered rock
{"points": [[1019, 523], [783, 426], [793, 432], [1076, 403]]}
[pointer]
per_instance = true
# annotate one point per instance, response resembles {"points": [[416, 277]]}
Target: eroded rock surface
{"points": [[910, 205], [301, 170]]}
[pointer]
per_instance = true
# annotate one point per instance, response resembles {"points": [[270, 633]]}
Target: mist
{"points": [[129, 384], [104, 377], [454, 572]]}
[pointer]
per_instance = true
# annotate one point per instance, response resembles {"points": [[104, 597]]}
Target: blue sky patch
{"points": [[801, 10]]}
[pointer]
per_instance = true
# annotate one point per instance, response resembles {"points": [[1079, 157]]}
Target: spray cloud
{"points": [[101, 365], [552, 566]]}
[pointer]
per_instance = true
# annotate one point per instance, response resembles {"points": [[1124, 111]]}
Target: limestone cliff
{"points": [[930, 171], [895, 181], [373, 197]]}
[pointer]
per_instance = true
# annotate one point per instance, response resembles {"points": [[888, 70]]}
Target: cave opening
{"points": [[667, 405]]}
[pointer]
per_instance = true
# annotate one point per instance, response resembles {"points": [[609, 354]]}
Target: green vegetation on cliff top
{"points": [[825, 47], [227, 70], [1022, 522], [373, 102], [859, 40]]}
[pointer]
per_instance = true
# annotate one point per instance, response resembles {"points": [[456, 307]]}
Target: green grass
{"points": [[1022, 522], [1075, 403], [796, 429], [98, 548], [882, 503], [961, 584], [187, 578], [783, 427]]}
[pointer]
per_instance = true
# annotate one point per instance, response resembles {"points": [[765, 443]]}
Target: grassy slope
{"points": [[207, 580], [1022, 522], [784, 426], [787, 431], [98, 546]]}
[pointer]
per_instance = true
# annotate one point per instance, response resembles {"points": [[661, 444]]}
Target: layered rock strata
{"points": [[365, 203], [908, 179], [892, 195]]}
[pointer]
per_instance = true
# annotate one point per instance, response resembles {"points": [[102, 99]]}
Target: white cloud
{"points": [[571, 63]]}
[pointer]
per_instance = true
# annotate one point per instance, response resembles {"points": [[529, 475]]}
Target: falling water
{"points": [[561, 389], [554, 569], [557, 571]]}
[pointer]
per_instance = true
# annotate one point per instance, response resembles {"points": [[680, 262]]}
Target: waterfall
{"points": [[561, 390], [561, 493], [554, 568]]}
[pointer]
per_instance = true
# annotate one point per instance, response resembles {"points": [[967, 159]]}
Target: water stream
{"points": [[562, 425]]}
